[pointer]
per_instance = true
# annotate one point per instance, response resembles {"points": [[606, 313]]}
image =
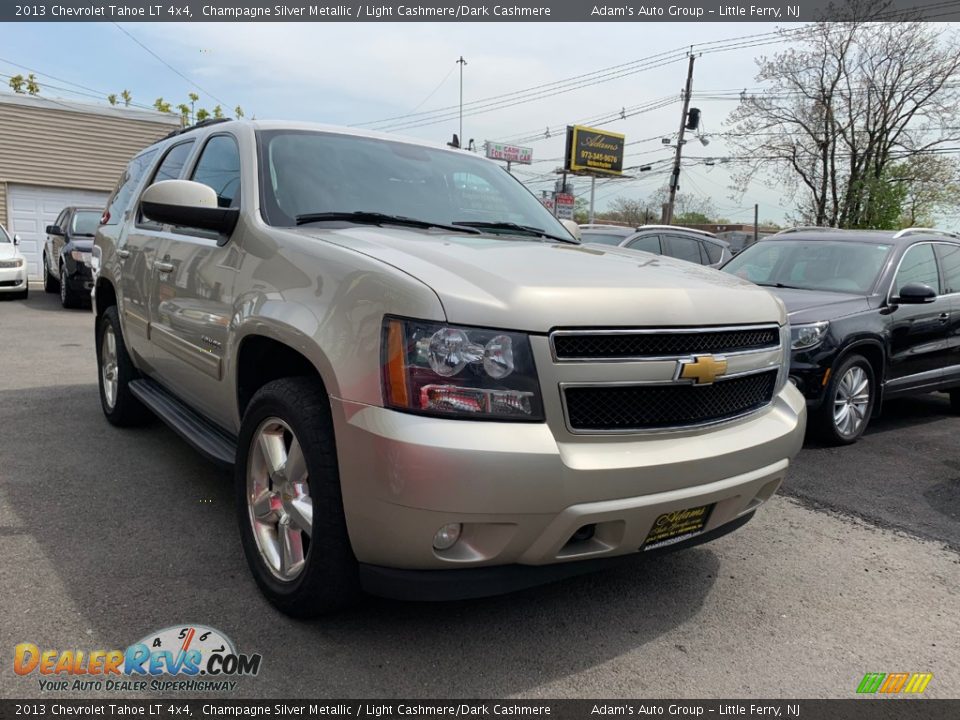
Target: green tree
{"points": [[184, 114], [202, 114], [16, 84], [112, 98], [217, 112], [33, 87], [127, 98], [238, 112], [161, 106]]}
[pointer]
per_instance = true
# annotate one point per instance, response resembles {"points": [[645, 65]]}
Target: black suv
{"points": [[874, 315], [66, 255]]}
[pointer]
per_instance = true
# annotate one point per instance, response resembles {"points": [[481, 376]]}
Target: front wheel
{"points": [[50, 283], [848, 402], [289, 503], [116, 370], [68, 298]]}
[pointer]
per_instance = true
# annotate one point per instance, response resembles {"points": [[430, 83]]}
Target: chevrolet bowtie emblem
{"points": [[702, 369]]}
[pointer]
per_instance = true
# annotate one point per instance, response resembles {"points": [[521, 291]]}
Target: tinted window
{"points": [[683, 248], [219, 168], [714, 251], [173, 162], [120, 199], [602, 238], [315, 172], [647, 243], [950, 264], [85, 222], [811, 264], [918, 266]]}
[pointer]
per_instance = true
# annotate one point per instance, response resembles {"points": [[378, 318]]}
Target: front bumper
{"points": [[521, 494], [13, 279], [79, 276]]}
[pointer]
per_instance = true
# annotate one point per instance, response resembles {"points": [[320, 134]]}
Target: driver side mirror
{"points": [[54, 230], [16, 239], [186, 203], [916, 294], [572, 228]]}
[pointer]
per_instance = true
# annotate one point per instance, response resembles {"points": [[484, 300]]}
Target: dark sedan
{"points": [[874, 315], [66, 255]]}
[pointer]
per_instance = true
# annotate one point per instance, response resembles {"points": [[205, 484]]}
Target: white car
{"points": [[13, 266]]}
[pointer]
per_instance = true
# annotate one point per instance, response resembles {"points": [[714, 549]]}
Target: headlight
{"points": [[15, 263], [460, 372], [808, 336]]}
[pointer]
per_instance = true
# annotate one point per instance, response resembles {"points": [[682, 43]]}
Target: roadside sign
{"points": [[509, 153], [564, 206], [591, 151]]}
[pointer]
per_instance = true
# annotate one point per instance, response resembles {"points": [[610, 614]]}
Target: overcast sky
{"points": [[352, 73]]}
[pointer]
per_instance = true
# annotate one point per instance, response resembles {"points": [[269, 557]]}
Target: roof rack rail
{"points": [[195, 126], [925, 231], [676, 227], [807, 228]]}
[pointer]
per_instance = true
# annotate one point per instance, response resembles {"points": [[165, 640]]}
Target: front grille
{"points": [[620, 346], [652, 407]]}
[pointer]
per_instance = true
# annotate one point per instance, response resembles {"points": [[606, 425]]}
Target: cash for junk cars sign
{"points": [[510, 153], [591, 151]]}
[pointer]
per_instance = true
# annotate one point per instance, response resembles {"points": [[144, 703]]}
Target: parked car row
{"points": [[66, 257]]}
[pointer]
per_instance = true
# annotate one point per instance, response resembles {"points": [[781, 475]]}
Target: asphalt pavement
{"points": [[108, 534]]}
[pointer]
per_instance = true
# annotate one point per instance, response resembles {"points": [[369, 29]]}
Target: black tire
{"points": [[955, 401], [329, 578], [126, 410], [50, 283], [824, 423], [68, 298]]}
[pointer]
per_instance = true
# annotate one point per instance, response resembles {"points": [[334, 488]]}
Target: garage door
{"points": [[31, 208]]}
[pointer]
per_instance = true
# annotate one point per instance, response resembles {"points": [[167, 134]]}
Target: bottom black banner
{"points": [[853, 709]]}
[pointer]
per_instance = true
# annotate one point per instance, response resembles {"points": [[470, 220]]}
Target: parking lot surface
{"points": [[108, 534]]}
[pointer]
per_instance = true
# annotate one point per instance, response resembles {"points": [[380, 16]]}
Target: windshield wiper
{"points": [[374, 218], [781, 285], [514, 227]]}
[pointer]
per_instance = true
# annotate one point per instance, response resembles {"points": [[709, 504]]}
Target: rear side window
{"points": [[601, 238], [683, 248], [120, 200], [918, 266], [647, 243], [219, 168], [950, 264], [714, 252]]}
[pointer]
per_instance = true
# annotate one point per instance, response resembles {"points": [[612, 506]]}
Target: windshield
{"points": [[85, 222], [602, 238], [314, 172], [4, 238], [835, 266]]}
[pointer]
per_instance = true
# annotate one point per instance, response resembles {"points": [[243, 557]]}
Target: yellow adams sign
{"points": [[592, 151]]}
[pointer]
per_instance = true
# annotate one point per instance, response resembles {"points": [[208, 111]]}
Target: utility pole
{"points": [[461, 62], [675, 176], [756, 220], [593, 188]]}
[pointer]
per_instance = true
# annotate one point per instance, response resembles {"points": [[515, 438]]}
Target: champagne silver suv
{"points": [[427, 388]]}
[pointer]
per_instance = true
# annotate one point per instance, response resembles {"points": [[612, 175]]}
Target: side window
{"points": [[683, 248], [950, 264], [713, 251], [120, 199], [219, 168], [647, 243], [173, 162], [61, 220], [918, 266]]}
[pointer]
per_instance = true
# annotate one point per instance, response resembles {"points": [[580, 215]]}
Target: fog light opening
{"points": [[447, 536], [583, 534]]}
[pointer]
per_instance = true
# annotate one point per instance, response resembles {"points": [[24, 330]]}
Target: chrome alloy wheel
{"points": [[108, 365], [278, 499], [852, 401]]}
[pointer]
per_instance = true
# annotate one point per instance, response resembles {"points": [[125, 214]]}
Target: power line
{"points": [[171, 67]]}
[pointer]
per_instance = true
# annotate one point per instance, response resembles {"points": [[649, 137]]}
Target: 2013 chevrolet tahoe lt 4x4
{"points": [[427, 388]]}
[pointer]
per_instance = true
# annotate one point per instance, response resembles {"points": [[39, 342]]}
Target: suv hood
{"points": [[534, 286], [815, 305]]}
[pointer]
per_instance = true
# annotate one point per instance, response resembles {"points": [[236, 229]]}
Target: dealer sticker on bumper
{"points": [[677, 526]]}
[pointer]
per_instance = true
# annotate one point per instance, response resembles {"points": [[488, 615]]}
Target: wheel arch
{"points": [[873, 352]]}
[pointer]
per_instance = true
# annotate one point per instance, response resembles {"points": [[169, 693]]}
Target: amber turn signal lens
{"points": [[396, 372]]}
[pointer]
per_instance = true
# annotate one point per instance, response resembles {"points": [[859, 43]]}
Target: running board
{"points": [[209, 440]]}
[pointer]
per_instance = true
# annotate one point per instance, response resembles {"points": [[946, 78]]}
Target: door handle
{"points": [[161, 266], [123, 254]]}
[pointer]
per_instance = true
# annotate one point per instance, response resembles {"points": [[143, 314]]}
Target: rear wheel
{"points": [[116, 371], [848, 403], [50, 283], [289, 503]]}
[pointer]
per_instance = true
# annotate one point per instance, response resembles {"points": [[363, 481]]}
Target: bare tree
{"points": [[842, 106], [631, 211]]}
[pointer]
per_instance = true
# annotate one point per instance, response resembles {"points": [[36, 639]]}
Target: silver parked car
{"points": [[426, 387], [696, 246]]}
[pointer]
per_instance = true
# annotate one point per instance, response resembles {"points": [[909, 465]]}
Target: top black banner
{"points": [[470, 11]]}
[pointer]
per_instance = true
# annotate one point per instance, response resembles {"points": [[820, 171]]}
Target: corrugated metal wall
{"points": [[3, 204], [46, 144]]}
